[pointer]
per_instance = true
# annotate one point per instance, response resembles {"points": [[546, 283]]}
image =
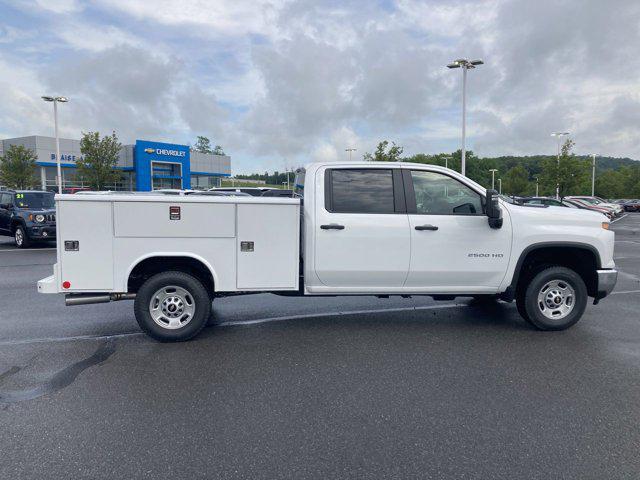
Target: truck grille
{"points": [[50, 217]]}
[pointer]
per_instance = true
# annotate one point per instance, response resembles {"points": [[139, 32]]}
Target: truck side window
{"points": [[438, 194], [361, 191]]}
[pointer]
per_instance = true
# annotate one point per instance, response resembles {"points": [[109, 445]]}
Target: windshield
{"points": [[34, 200]]}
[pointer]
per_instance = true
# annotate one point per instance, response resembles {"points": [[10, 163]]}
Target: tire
{"points": [[21, 238], [172, 306], [554, 299]]}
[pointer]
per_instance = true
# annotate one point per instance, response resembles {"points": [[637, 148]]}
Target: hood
{"points": [[557, 215]]}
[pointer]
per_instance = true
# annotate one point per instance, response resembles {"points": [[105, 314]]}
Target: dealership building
{"points": [[144, 166]]}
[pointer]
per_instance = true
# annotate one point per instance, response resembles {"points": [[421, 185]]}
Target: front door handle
{"points": [[332, 226], [426, 227]]}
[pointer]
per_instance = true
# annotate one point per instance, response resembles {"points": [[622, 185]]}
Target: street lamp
{"points": [[350, 150], [593, 175], [55, 101], [536, 186], [465, 65], [493, 178], [500, 186], [446, 161], [559, 136]]}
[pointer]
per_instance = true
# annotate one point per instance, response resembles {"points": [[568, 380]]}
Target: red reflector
{"points": [[66, 284]]}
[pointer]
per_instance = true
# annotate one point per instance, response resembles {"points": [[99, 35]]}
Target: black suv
{"points": [[27, 216]]}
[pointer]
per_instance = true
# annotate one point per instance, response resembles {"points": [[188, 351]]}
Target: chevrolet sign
{"points": [[164, 151]]}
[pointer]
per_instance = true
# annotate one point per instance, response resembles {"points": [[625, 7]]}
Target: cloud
{"points": [[301, 80]]}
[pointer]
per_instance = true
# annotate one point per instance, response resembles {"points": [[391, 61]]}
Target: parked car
{"points": [[552, 202], [631, 205], [253, 191], [599, 202], [72, 190], [364, 228], [588, 206], [28, 216]]}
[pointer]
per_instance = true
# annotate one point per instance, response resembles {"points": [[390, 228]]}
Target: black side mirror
{"points": [[7, 206], [493, 209]]}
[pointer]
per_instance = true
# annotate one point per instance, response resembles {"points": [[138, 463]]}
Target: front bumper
{"points": [[606, 282], [44, 232]]}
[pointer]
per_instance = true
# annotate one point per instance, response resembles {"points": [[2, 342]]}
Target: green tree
{"points": [[383, 155], [571, 174], [203, 144], [218, 150], [18, 168], [99, 158], [516, 181]]}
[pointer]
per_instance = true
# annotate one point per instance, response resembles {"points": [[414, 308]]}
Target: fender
{"points": [[170, 254], [509, 293]]}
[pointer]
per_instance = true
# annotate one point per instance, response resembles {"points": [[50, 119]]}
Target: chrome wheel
{"points": [[172, 307], [19, 237], [556, 299]]}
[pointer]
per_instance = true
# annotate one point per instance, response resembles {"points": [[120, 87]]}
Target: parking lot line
{"points": [[614, 221], [27, 249], [625, 291]]}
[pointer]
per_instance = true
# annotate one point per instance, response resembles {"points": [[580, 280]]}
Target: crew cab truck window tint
{"points": [[438, 194], [361, 191]]}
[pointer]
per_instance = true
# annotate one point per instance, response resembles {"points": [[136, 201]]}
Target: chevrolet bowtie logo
{"points": [[149, 150]]}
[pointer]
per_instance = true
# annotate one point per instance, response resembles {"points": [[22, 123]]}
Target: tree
{"points": [[218, 150], [18, 168], [571, 174], [516, 181], [96, 167], [203, 144], [382, 155]]}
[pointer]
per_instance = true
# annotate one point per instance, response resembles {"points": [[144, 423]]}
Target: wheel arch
{"points": [[581, 257], [150, 264]]}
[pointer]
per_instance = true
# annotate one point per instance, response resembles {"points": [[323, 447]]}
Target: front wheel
{"points": [[554, 299], [172, 306], [21, 238]]}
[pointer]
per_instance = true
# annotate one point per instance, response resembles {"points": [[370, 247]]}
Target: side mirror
{"points": [[6, 206], [493, 209]]}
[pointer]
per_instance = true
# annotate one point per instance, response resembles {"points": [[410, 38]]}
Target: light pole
{"points": [[493, 178], [500, 186], [536, 186], [593, 175], [446, 161], [350, 150], [55, 101], [559, 136], [465, 65]]}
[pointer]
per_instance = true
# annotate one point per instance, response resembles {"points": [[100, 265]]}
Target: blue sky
{"points": [[280, 83]]}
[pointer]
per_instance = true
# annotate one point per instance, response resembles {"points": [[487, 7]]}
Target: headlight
{"points": [[39, 218]]}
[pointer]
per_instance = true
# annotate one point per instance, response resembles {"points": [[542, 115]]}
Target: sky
{"points": [[281, 83]]}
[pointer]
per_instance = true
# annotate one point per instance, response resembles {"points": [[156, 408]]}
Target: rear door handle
{"points": [[426, 227], [332, 226]]}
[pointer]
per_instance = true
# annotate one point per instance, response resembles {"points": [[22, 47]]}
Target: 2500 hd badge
{"points": [[485, 255]]}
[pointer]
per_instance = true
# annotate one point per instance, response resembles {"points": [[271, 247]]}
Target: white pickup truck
{"points": [[360, 228]]}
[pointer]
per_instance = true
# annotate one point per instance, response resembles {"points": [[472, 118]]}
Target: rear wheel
{"points": [[554, 299], [21, 238], [172, 306]]}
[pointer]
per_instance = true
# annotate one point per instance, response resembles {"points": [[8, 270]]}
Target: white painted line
{"points": [[625, 291], [614, 221], [234, 323], [27, 249]]}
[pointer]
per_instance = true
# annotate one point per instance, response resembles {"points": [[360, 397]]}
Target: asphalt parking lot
{"points": [[319, 388]]}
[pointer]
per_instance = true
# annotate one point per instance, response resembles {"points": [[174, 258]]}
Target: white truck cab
{"points": [[359, 228]]}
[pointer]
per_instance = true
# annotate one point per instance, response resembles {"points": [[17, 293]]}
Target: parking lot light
{"points": [[593, 175], [493, 178], [55, 101], [465, 65], [559, 136]]}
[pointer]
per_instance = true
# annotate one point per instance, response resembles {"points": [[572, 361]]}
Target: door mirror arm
{"points": [[493, 211]]}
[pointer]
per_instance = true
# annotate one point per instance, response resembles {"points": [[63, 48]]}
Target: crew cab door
{"points": [[452, 246], [361, 228]]}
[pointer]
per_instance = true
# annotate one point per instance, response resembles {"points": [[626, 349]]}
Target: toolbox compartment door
{"points": [[268, 246], [90, 267]]}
